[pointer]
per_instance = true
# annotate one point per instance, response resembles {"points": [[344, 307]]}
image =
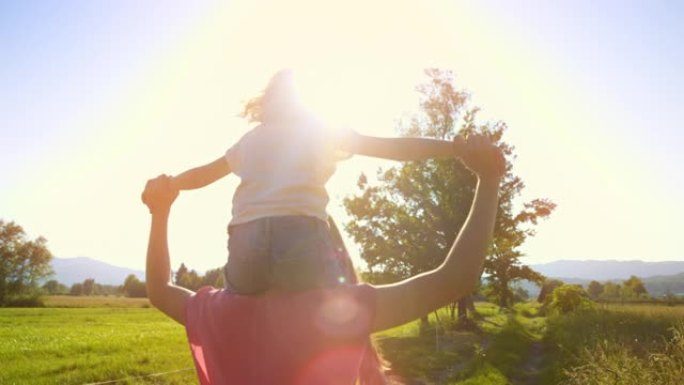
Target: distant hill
{"points": [[75, 270], [608, 269]]}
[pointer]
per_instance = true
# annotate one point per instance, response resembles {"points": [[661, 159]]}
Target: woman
{"points": [[318, 336]]}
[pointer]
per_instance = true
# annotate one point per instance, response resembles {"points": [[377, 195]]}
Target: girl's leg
{"points": [[247, 270]]}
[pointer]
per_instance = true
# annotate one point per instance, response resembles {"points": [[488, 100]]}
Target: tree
{"points": [[191, 280], [88, 286], [636, 286], [611, 290], [54, 287], [547, 288], [76, 289], [213, 278], [595, 289], [406, 221], [23, 262], [134, 288], [182, 271], [569, 298]]}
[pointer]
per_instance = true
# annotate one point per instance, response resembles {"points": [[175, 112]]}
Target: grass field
{"points": [[103, 340], [92, 345]]}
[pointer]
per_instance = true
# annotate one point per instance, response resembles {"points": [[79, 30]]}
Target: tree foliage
{"points": [[630, 289], [570, 298], [53, 287], [547, 288], [133, 287], [191, 279], [636, 287], [595, 289], [406, 221], [23, 262]]}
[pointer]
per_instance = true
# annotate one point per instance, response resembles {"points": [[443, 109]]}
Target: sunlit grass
{"points": [[85, 345], [625, 344]]}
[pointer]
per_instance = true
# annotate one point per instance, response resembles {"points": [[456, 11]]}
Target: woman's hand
{"points": [[159, 194]]}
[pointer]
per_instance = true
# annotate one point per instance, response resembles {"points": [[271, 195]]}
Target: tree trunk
{"points": [[424, 324], [463, 310]]}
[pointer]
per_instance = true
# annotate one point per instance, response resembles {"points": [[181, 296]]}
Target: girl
{"points": [[279, 234]]}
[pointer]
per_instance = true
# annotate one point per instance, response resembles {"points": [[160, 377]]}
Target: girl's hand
{"points": [[481, 156], [158, 193]]}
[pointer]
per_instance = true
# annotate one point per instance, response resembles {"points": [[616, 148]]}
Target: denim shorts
{"points": [[286, 252]]}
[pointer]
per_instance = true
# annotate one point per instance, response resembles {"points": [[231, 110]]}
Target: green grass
{"points": [[86, 345], [82, 340], [489, 354], [629, 345], [428, 356]]}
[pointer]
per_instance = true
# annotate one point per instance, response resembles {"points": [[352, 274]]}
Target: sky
{"points": [[98, 97]]}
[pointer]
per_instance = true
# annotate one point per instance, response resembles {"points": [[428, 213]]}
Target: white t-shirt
{"points": [[284, 167]]}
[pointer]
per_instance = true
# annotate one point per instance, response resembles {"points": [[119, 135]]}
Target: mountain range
{"points": [[658, 277], [76, 270], [604, 270]]}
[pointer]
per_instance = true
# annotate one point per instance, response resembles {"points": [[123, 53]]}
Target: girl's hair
{"points": [[277, 99]]}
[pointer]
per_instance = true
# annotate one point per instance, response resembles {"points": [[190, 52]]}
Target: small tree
{"points": [[547, 288], [595, 289], [569, 298], [213, 278], [88, 286], [23, 262], [76, 289], [134, 288], [636, 286], [611, 290], [182, 271], [191, 280], [53, 287]]}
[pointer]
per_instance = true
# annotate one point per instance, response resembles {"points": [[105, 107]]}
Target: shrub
{"points": [[570, 298], [24, 300]]}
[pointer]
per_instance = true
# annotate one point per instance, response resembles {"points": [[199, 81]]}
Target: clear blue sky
{"points": [[95, 97]]}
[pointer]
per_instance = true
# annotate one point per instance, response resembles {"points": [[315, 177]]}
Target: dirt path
{"points": [[531, 367]]}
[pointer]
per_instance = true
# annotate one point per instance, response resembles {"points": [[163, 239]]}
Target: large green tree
{"points": [[406, 221], [24, 263]]}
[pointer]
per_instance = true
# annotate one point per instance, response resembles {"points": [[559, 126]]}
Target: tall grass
{"points": [[627, 347]]}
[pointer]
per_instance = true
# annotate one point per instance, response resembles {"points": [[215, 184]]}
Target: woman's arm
{"points": [[201, 176], [412, 298], [403, 149], [163, 294]]}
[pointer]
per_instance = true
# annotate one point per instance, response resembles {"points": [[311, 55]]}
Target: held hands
{"points": [[480, 155], [159, 194]]}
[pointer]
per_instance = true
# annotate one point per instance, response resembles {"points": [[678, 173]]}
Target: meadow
{"points": [[112, 340], [92, 340]]}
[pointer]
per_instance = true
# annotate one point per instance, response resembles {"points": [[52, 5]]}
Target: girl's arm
{"points": [[403, 149], [201, 176], [414, 297]]}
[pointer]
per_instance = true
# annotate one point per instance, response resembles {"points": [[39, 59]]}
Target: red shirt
{"points": [[309, 338]]}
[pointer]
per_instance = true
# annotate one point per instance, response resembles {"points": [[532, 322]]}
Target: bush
{"points": [[24, 300], [570, 298]]}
